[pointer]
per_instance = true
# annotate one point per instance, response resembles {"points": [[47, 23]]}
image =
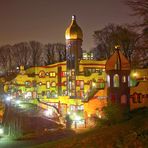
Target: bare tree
{"points": [[56, 52], [22, 54], [140, 8], [6, 59], [36, 49], [112, 35]]}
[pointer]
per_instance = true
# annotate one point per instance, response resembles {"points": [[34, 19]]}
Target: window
{"points": [[34, 95], [72, 108], [64, 92], [128, 81], [29, 94], [124, 79], [139, 98], [52, 74], [28, 84], [108, 80], [63, 74], [81, 84], [42, 74], [43, 93], [53, 84], [80, 107], [64, 83], [116, 80], [48, 94], [77, 82], [48, 84], [53, 93]]}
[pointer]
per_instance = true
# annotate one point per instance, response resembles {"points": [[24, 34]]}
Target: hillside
{"points": [[131, 133]]}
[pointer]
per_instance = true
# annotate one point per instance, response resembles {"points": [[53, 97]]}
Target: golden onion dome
{"points": [[73, 31]]}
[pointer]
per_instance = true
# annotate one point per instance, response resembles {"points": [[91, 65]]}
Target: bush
{"points": [[114, 113]]}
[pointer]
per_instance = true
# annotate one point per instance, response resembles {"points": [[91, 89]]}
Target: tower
{"points": [[118, 70], [73, 36]]}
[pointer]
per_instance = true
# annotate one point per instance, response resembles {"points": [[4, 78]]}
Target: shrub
{"points": [[114, 113]]}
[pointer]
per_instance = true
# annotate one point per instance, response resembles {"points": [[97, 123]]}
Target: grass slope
{"points": [[131, 133]]}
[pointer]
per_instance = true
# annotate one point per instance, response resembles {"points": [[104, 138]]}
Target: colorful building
{"points": [[79, 84]]}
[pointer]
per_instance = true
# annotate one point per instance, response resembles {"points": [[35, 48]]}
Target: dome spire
{"points": [[73, 32]]}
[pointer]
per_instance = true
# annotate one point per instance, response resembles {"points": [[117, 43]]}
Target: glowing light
{"points": [[48, 112], [18, 102], [8, 98], [68, 113], [135, 74], [100, 116], [94, 84], [1, 130], [77, 118]]}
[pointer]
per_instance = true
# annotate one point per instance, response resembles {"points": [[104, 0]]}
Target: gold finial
{"points": [[73, 17], [73, 31]]}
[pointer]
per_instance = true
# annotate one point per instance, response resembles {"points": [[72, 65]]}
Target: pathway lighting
{"points": [[18, 102], [48, 112], [1, 131], [8, 98]]}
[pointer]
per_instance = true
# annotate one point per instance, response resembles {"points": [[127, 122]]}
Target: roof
{"points": [[117, 61], [142, 87], [73, 31]]}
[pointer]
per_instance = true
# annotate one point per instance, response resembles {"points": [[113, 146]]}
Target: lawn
{"points": [[130, 133]]}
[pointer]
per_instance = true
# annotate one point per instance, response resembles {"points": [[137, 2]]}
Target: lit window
{"points": [[34, 94], [42, 74], [63, 74], [64, 83], [52, 74], [48, 84], [29, 94], [72, 107], [124, 79], [78, 82], [72, 73], [64, 92], [108, 80], [81, 84], [80, 107], [128, 81], [116, 80], [53, 84]]}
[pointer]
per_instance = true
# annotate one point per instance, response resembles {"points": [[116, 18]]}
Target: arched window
{"points": [[129, 81], [108, 80], [123, 79], [116, 80], [42, 74]]}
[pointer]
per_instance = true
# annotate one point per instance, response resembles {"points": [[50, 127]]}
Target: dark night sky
{"points": [[46, 20]]}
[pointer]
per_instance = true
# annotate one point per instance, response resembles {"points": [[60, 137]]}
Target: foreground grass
{"points": [[132, 133]]}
